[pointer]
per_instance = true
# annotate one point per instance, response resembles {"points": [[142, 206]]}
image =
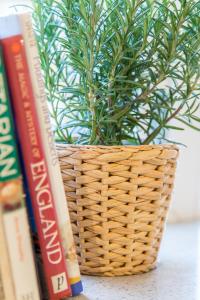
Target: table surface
{"points": [[177, 276]]}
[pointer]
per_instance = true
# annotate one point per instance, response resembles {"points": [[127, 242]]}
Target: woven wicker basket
{"points": [[118, 199]]}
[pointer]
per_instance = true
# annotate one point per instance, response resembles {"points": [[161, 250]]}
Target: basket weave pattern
{"points": [[118, 199]]}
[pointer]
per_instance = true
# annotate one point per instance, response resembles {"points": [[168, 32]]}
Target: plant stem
{"points": [[155, 133]]}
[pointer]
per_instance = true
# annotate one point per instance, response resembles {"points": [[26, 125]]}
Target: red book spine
{"points": [[36, 167]]}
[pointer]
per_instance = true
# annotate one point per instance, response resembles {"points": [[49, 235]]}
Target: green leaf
{"points": [[188, 124], [174, 127]]}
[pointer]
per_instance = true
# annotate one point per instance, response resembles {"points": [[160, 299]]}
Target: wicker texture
{"points": [[118, 199]]}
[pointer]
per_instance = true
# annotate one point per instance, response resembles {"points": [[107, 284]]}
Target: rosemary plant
{"points": [[120, 71]]}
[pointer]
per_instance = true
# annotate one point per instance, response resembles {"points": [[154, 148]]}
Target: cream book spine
{"points": [[2, 295], [7, 291], [51, 154]]}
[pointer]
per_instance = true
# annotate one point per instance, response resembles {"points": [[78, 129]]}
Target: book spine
{"points": [[2, 295], [22, 284], [34, 159], [51, 154], [6, 279]]}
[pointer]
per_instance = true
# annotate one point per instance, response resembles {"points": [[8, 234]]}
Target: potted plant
{"points": [[119, 74]]}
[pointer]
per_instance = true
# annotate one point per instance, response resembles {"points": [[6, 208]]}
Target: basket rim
{"points": [[119, 147]]}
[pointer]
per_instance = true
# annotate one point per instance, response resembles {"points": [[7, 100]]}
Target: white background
{"points": [[186, 197]]}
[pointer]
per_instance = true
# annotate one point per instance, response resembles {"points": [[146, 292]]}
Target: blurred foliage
{"points": [[118, 72]]}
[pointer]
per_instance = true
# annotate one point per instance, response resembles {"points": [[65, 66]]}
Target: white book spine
{"points": [[48, 140], [21, 255], [7, 291]]}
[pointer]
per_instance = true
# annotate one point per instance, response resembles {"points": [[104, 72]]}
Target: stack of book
{"points": [[37, 252]]}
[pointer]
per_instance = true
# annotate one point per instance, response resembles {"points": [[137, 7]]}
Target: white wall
{"points": [[5, 5], [186, 197]]}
